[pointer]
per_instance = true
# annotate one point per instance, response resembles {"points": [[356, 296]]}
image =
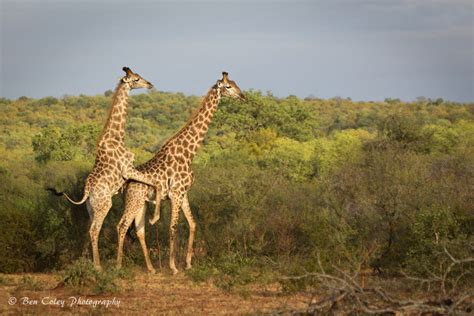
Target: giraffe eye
{"points": [[137, 79], [228, 87]]}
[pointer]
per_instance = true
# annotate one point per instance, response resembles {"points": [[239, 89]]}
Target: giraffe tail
{"points": [[84, 198]]}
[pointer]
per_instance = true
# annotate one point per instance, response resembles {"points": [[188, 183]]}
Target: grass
{"points": [[28, 282], [5, 280], [251, 292]]}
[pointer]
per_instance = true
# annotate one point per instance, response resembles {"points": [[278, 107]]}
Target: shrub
{"points": [[82, 275]]}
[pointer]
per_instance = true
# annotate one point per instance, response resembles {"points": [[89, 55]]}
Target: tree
{"points": [[51, 145]]}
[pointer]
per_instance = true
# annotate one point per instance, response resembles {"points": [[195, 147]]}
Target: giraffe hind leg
{"points": [[99, 209], [90, 211], [132, 206], [122, 228], [136, 175], [140, 226]]}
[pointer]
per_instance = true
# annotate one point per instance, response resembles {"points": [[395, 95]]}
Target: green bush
{"points": [[431, 231], [82, 275], [228, 273]]}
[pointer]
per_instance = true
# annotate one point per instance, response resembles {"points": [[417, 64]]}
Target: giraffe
{"points": [[171, 170], [113, 162]]}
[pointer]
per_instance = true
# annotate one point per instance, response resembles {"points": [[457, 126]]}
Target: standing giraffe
{"points": [[171, 171], [113, 162]]}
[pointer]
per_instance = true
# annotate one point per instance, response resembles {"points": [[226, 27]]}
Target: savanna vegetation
{"points": [[283, 185]]}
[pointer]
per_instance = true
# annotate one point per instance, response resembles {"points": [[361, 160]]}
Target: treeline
{"points": [[278, 179]]}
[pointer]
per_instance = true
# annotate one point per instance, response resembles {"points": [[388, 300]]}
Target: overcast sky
{"points": [[366, 50]]}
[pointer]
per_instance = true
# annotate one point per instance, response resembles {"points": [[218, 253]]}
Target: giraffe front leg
{"points": [[192, 229], [175, 204], [131, 173], [156, 214]]}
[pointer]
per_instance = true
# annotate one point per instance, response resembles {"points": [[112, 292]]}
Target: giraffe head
{"points": [[229, 88], [135, 81]]}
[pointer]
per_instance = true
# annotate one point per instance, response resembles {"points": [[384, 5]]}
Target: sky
{"points": [[362, 49]]}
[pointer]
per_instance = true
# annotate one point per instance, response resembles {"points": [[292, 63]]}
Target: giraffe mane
{"points": [[196, 113], [109, 114]]}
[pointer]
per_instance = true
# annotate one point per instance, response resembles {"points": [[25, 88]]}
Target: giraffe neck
{"points": [[115, 125], [188, 140]]}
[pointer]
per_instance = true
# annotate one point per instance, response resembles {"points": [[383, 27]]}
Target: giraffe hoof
{"points": [[153, 221], [175, 271], [152, 271]]}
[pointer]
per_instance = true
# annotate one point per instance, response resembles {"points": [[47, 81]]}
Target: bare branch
{"points": [[345, 292], [444, 278]]}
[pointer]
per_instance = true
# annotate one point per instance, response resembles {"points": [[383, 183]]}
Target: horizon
{"points": [[263, 93], [364, 50]]}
